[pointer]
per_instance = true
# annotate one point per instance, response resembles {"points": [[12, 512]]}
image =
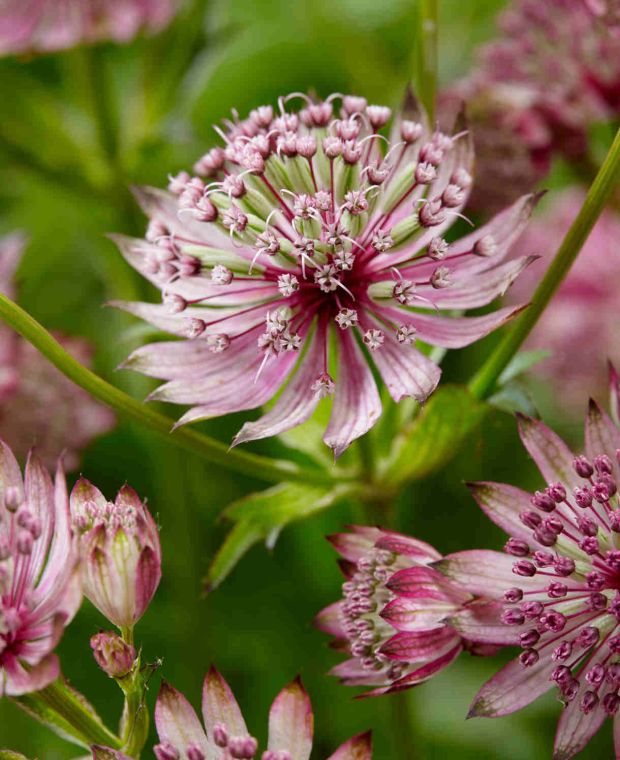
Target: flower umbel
{"points": [[561, 581], [400, 619], [47, 25], [307, 248], [39, 577], [120, 551], [291, 725]]}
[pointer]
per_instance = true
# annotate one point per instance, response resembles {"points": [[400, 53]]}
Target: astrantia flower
{"points": [[401, 620], [225, 735], [120, 552], [39, 578], [587, 300], [561, 581], [314, 249], [553, 72], [50, 25], [38, 405]]}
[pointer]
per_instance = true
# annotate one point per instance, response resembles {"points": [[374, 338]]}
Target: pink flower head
{"points": [[120, 551], [552, 73], [561, 581], [587, 300], [316, 249], [39, 577], [401, 620], [43, 26], [291, 725], [38, 405]]}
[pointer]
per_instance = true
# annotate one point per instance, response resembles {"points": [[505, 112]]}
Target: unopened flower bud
{"points": [[113, 655]]}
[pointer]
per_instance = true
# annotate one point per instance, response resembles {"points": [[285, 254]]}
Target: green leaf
{"points": [[67, 713], [512, 398], [434, 436], [521, 363], [8, 754], [261, 516]]}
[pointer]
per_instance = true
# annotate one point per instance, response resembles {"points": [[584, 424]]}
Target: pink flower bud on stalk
{"points": [[120, 551], [113, 655], [225, 735]]}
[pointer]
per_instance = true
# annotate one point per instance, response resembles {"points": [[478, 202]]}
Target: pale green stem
{"points": [[605, 182], [264, 468], [425, 54]]}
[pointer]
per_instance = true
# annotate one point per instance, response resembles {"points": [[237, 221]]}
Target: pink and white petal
{"points": [[484, 572], [450, 332], [420, 646], [575, 729], [220, 706], [357, 405], [470, 292], [176, 720], [147, 577], [614, 393], [356, 543], [407, 372], [480, 622], [39, 495], [291, 722], [424, 582], [503, 504], [18, 681], [357, 748], [426, 671], [417, 615], [329, 620], [552, 456], [602, 436], [410, 547], [297, 402], [10, 478], [512, 688]]}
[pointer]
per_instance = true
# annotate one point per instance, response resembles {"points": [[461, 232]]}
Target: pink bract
{"points": [[561, 581], [43, 26], [291, 726], [39, 577], [401, 620], [313, 250], [38, 405]]}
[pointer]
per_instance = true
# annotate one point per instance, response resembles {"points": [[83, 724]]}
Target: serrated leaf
{"points": [[261, 516], [521, 363], [434, 436]]}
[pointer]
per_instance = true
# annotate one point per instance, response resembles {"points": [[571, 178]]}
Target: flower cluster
{"points": [[586, 300], [306, 245], [37, 403], [120, 550], [401, 620], [40, 587], [48, 25], [562, 581], [536, 90], [225, 735]]}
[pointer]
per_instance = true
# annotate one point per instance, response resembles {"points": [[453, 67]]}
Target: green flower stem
{"points": [[67, 713], [101, 100], [605, 183], [425, 54], [264, 468]]}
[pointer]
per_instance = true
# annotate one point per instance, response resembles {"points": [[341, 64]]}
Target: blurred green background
{"points": [[56, 184]]}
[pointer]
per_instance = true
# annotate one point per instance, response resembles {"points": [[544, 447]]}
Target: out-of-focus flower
{"points": [[119, 549], [39, 578], [38, 405], [608, 10], [561, 584], [584, 311], [291, 726], [553, 72], [49, 25], [401, 620], [113, 655], [308, 235]]}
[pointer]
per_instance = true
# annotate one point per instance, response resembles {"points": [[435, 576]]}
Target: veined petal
{"points": [[420, 646], [417, 615], [503, 503], [480, 622], [18, 680], [357, 748], [291, 722], [354, 544], [220, 706], [575, 728], [602, 436], [424, 582], [176, 720], [512, 688], [426, 671], [552, 456], [328, 620], [357, 405], [483, 572], [10, 478]]}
